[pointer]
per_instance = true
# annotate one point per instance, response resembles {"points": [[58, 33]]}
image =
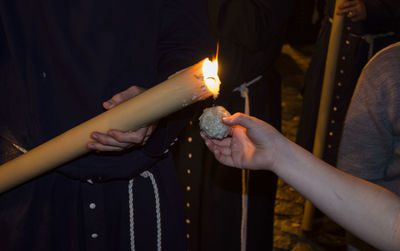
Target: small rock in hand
{"points": [[211, 122]]}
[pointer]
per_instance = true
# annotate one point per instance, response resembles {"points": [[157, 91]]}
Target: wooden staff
{"points": [[326, 98]]}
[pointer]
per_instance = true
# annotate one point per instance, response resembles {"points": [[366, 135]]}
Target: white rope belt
{"points": [[369, 39], [145, 174], [244, 92]]}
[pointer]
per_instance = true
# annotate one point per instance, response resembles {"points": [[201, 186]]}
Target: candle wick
{"points": [[217, 53]]}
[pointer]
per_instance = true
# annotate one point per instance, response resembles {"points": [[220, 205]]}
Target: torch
{"points": [[186, 87]]}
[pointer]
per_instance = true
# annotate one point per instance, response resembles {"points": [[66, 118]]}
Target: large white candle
{"points": [[182, 89]]}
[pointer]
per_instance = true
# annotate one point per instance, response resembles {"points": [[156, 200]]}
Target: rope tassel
{"points": [[145, 174], [244, 92]]}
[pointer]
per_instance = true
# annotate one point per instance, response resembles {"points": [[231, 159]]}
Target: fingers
{"points": [[221, 150], [133, 137], [218, 142], [240, 119], [224, 150], [346, 7], [104, 148], [236, 119], [355, 10], [348, 4], [116, 140], [224, 158], [105, 142], [122, 97]]}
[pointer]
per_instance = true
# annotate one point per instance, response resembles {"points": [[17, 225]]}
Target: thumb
{"points": [[109, 104], [239, 119]]}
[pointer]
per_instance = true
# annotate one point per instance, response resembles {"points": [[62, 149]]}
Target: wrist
{"points": [[280, 153]]}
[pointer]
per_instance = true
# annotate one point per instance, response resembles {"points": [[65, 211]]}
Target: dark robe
{"points": [[59, 60], [382, 18], [250, 35]]}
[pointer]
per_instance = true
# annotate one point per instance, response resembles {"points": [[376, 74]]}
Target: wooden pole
{"points": [[325, 102]]}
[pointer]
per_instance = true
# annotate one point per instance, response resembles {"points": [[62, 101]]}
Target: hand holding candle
{"points": [[184, 88], [115, 140]]}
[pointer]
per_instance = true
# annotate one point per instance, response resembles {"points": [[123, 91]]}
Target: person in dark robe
{"points": [[361, 39], [59, 61], [250, 35], [369, 26]]}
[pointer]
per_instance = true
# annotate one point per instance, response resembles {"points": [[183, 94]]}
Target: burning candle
{"points": [[193, 84], [211, 79]]}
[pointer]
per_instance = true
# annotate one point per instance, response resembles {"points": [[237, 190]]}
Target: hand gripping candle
{"points": [[186, 87]]}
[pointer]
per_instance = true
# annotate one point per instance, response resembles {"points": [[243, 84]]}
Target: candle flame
{"points": [[210, 73]]}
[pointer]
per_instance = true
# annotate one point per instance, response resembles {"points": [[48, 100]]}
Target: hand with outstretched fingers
{"points": [[353, 9], [253, 143]]}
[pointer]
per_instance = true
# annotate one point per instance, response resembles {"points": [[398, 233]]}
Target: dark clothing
{"points": [[59, 60], [250, 35], [382, 19], [304, 24]]}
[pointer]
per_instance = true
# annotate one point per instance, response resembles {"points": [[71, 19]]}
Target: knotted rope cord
{"points": [[369, 39], [131, 216], [244, 92], [245, 204], [145, 174]]}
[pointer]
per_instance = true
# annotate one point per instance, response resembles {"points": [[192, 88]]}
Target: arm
{"points": [[368, 211]]}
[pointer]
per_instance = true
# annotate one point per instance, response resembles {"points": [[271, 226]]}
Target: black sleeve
{"points": [[382, 15], [3, 45], [184, 40], [184, 36], [249, 23]]}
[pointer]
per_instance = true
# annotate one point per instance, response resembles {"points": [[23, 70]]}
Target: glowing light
{"points": [[211, 79]]}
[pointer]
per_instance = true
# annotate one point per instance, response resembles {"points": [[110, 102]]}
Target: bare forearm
{"points": [[363, 208]]}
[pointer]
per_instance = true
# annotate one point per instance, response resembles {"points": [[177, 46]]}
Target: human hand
{"points": [[254, 144], [354, 9], [115, 140]]}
